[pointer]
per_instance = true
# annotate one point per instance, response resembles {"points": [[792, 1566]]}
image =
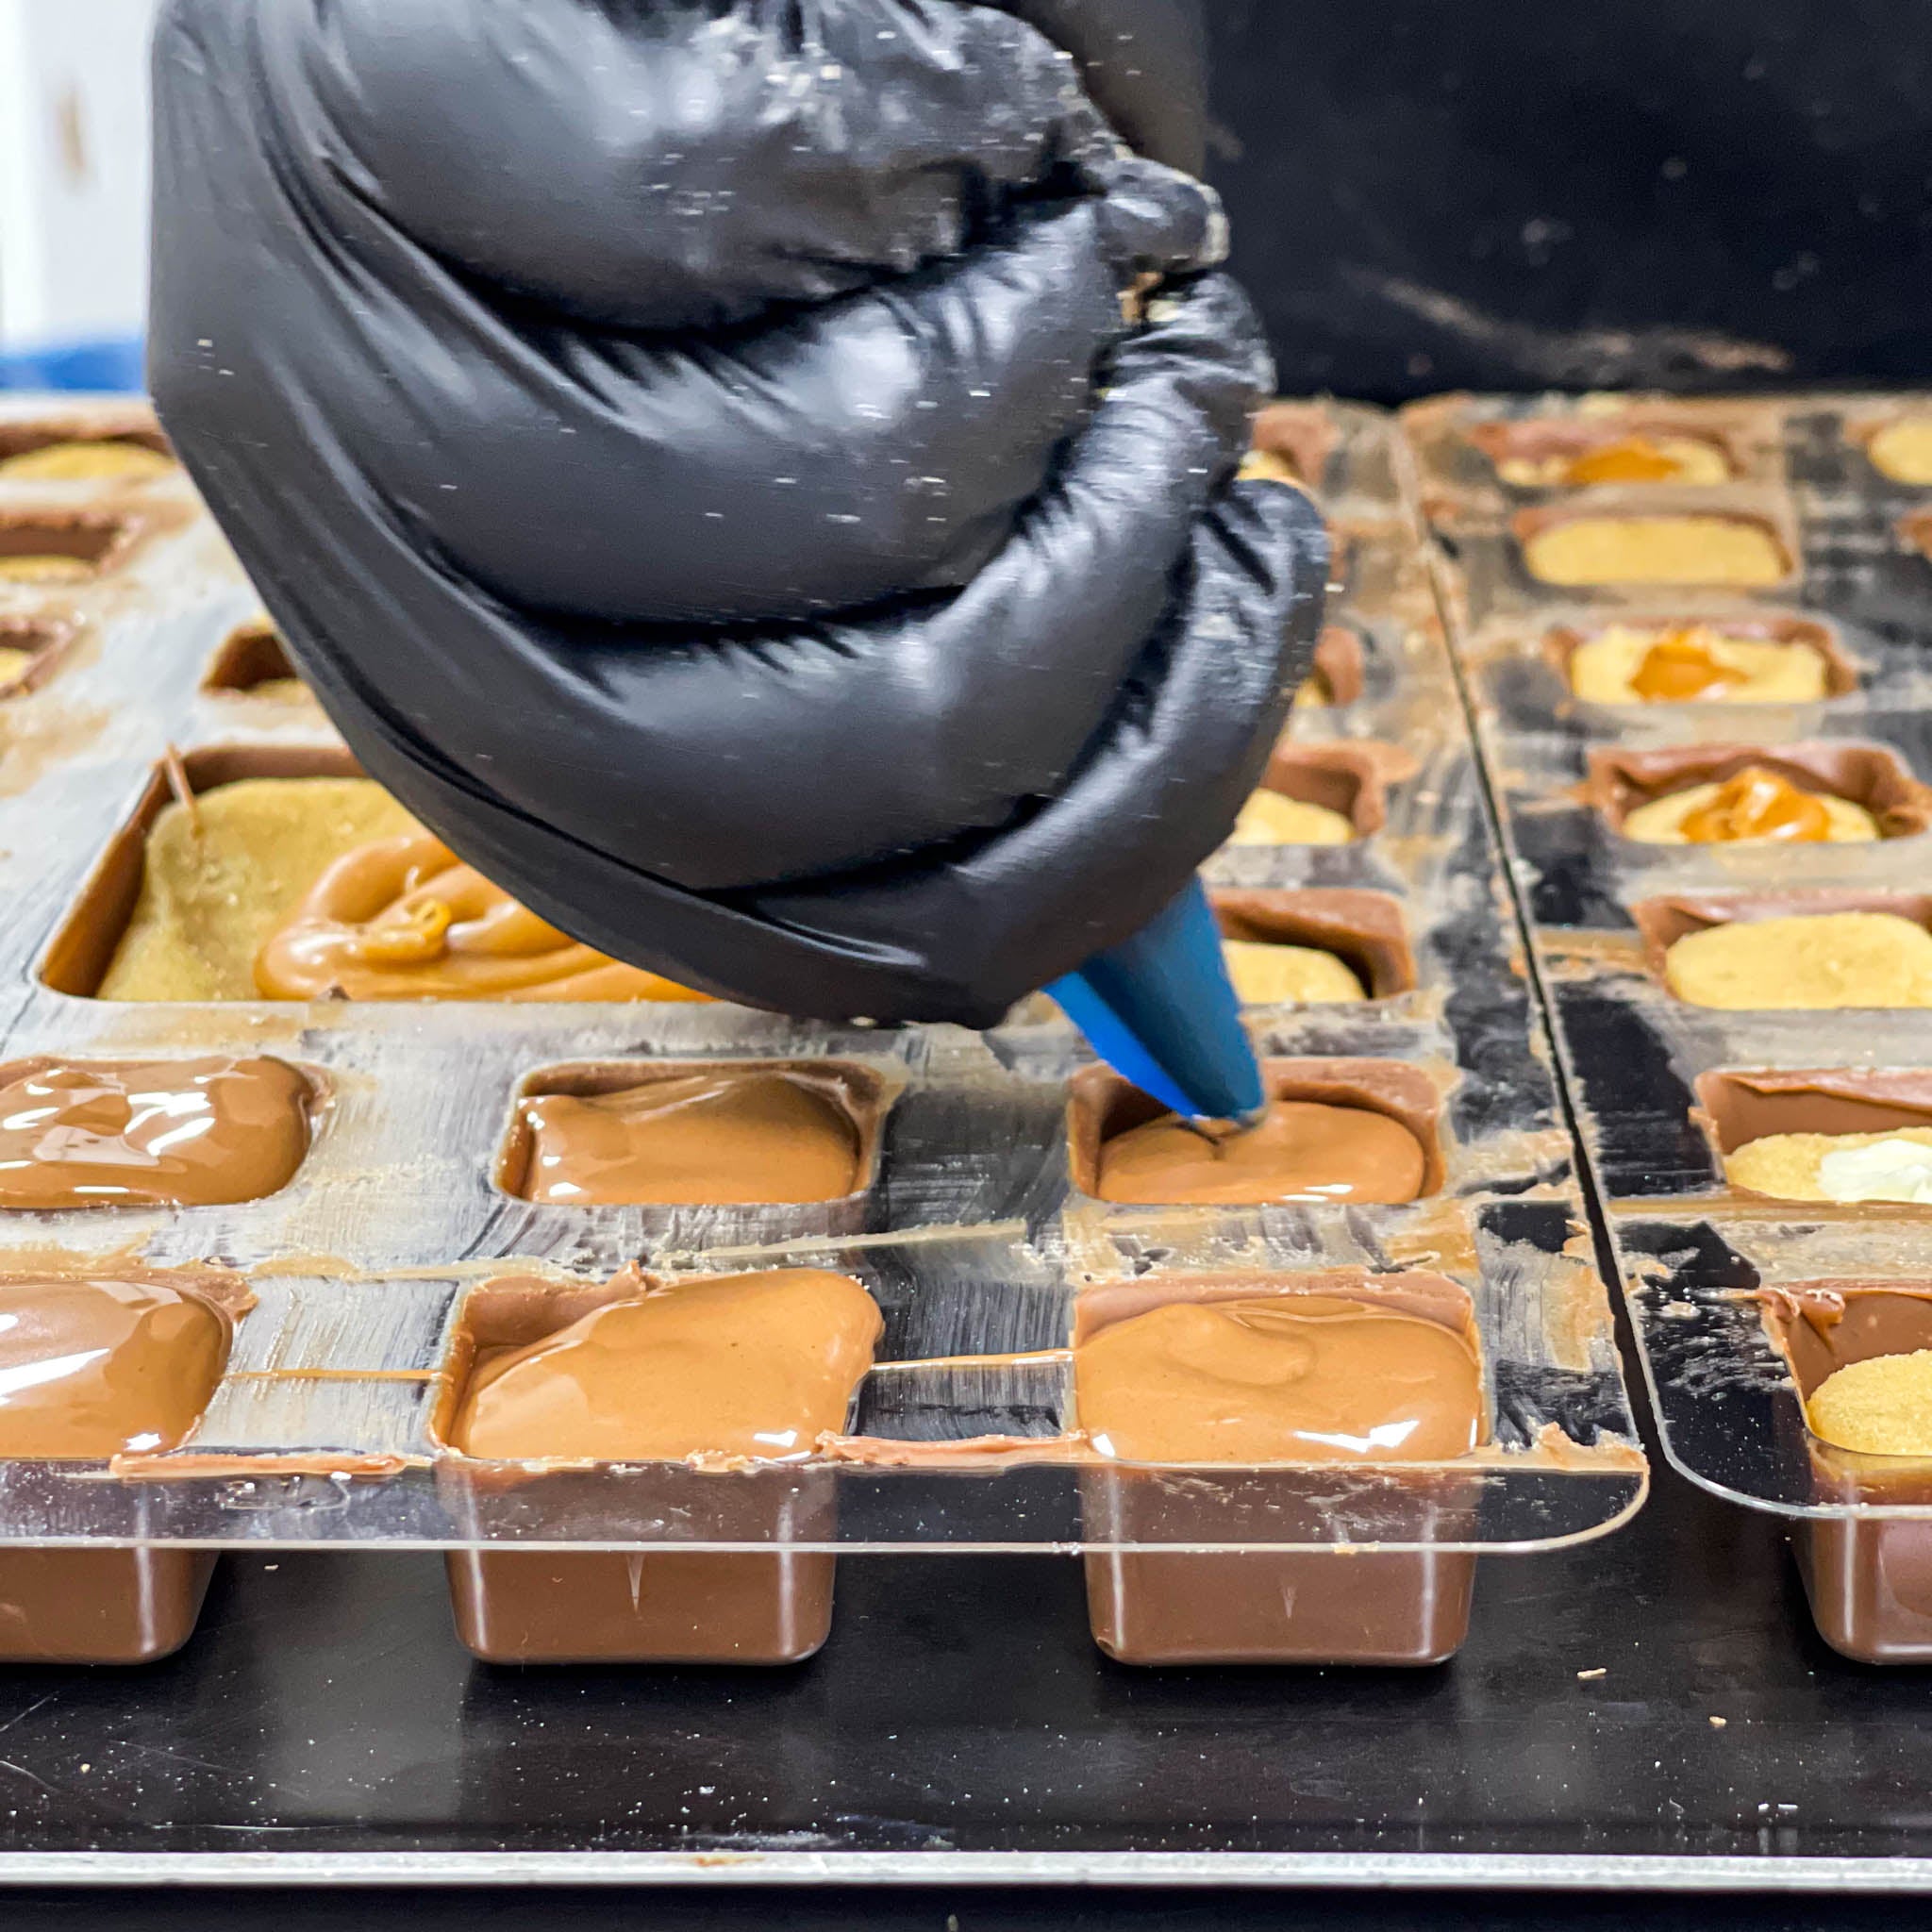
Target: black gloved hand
{"points": [[705, 455]]}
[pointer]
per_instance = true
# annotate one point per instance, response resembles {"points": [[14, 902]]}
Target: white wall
{"points": [[74, 138]]}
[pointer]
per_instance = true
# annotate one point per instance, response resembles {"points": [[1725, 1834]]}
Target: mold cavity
{"points": [[1321, 794], [1582, 549], [1339, 674], [1899, 447], [1316, 946], [1573, 453], [1348, 1132], [30, 649], [51, 547], [252, 660], [112, 447], [1292, 443], [1734, 658], [250, 872], [688, 1132], [1825, 1328], [1810, 951], [1915, 530], [151, 1133], [1717, 792]]}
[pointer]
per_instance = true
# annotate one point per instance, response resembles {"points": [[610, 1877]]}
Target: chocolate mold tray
{"points": [[1657, 1082], [971, 1235]]}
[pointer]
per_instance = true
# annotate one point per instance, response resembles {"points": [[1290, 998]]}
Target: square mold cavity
{"points": [[1560, 643], [1101, 1107], [1352, 779], [1301, 435], [1663, 921], [863, 1094], [1870, 776], [84, 946], [1737, 1108], [1868, 1578], [80, 545], [1339, 1605], [31, 649], [1777, 543], [250, 661], [615, 1606], [1364, 930], [135, 427], [1552, 440], [1339, 672]]}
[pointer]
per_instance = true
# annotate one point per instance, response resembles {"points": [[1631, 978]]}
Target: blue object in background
{"points": [[1161, 1009], [113, 364]]}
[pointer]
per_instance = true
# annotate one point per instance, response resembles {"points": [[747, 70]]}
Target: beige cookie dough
{"points": [[1270, 466], [1895, 1166], [1266, 975], [1661, 822], [1269, 818], [85, 461], [1881, 1407], [1634, 459], [1809, 961], [44, 568], [1693, 548], [1760, 671], [1902, 450]]}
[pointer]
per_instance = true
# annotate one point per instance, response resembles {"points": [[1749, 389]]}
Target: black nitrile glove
{"points": [[709, 458]]}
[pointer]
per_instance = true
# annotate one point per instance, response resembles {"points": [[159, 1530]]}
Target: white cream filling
{"points": [[1886, 1170]]}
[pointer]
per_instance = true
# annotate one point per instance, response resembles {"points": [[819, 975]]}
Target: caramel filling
{"points": [[96, 1369], [1680, 666], [1758, 804], [752, 1367], [1279, 1378], [151, 1133], [404, 918], [1632, 460], [724, 1137], [85, 461], [1303, 1151]]}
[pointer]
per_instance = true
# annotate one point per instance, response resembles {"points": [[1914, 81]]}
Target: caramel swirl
{"points": [[1758, 804], [1628, 460], [404, 919], [1682, 665]]}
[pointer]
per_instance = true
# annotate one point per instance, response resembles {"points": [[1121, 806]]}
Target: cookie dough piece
{"points": [[1634, 459], [1693, 548], [222, 877], [1305, 1150], [1809, 961], [1269, 466], [1269, 818], [45, 568], [1879, 1407], [1892, 1166], [1266, 975], [1902, 450], [1750, 804], [1622, 665], [13, 663], [85, 461]]}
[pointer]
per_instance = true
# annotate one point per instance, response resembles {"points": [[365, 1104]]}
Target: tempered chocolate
{"points": [[1626, 786], [718, 1136], [142, 1133], [1364, 930]]}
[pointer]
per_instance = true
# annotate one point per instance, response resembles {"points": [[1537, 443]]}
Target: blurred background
{"points": [[1681, 194]]}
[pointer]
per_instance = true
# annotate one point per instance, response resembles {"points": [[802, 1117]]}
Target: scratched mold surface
{"points": [[971, 1235], [1647, 1071]]}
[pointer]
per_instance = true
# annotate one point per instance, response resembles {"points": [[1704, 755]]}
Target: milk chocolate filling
{"points": [[1352, 1131], [1870, 775], [145, 1133], [680, 1133], [1822, 1328], [253, 659], [1352, 779], [93, 543], [742, 1368], [1302, 435], [1364, 930], [1253, 1378], [1735, 1108], [96, 1368]]}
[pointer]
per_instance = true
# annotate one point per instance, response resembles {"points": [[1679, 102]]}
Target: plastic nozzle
{"points": [[1161, 1009]]}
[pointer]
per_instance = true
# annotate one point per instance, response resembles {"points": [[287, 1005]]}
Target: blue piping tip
{"points": [[1161, 1009]]}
